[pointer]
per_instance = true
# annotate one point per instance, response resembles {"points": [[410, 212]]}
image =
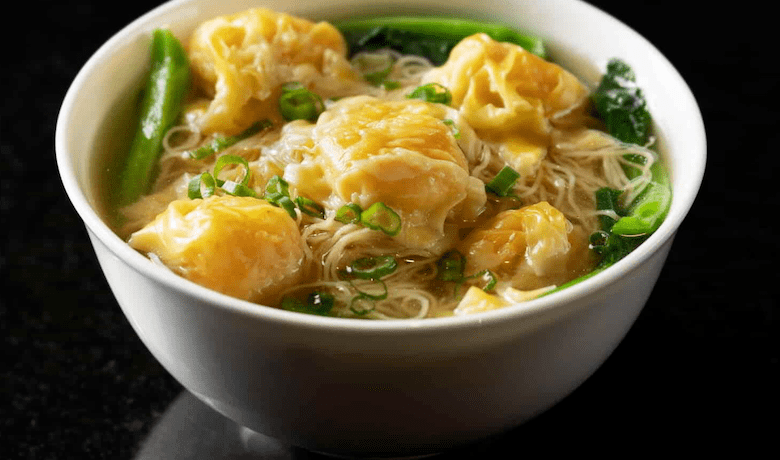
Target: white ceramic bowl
{"points": [[366, 387]]}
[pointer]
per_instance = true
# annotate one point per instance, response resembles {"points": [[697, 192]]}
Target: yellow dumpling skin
{"points": [[401, 153], [534, 246], [240, 61], [508, 95], [240, 246]]}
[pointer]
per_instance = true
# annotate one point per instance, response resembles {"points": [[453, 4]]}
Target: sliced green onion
{"points": [[374, 67], [379, 216], [372, 268], [287, 204], [362, 304], [276, 188], [298, 103], [220, 143], [432, 92], [598, 240], [349, 214], [310, 207], [201, 186], [455, 130], [503, 183], [277, 192], [487, 275], [237, 189], [229, 160], [390, 84], [317, 303], [370, 289], [450, 266]]}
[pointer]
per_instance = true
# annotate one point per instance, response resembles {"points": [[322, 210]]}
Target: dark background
{"points": [[700, 364]]}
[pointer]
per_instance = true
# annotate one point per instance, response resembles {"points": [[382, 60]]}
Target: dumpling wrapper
{"points": [[401, 153], [508, 96], [241, 60], [532, 247], [240, 246]]}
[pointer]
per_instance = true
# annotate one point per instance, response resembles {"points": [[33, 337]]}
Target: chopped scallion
{"points": [[317, 303], [310, 207], [451, 266], [379, 216], [362, 304], [349, 214], [503, 183], [277, 192], [488, 276], [370, 289], [231, 160], [455, 130], [298, 103], [220, 143], [237, 189], [432, 92], [201, 186], [372, 268], [374, 67]]}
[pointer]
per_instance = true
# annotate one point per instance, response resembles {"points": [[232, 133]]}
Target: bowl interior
{"points": [[98, 106]]}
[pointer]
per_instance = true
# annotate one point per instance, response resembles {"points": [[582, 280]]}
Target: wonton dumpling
{"points": [[476, 300], [240, 246], [241, 61], [534, 246], [401, 153], [508, 95]]}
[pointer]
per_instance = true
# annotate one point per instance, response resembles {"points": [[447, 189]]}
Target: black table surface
{"points": [[700, 365]]}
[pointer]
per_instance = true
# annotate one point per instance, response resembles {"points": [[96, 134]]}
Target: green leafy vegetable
{"points": [[607, 200], [621, 104], [430, 37], [166, 85]]}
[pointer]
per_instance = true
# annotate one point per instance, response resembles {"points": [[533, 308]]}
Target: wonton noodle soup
{"points": [[425, 163]]}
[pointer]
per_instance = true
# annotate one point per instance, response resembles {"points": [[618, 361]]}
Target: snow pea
{"points": [[166, 85]]}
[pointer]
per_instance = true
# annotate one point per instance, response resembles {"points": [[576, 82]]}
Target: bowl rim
{"points": [[97, 228]]}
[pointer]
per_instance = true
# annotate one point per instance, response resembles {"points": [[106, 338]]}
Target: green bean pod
{"points": [[166, 85]]}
